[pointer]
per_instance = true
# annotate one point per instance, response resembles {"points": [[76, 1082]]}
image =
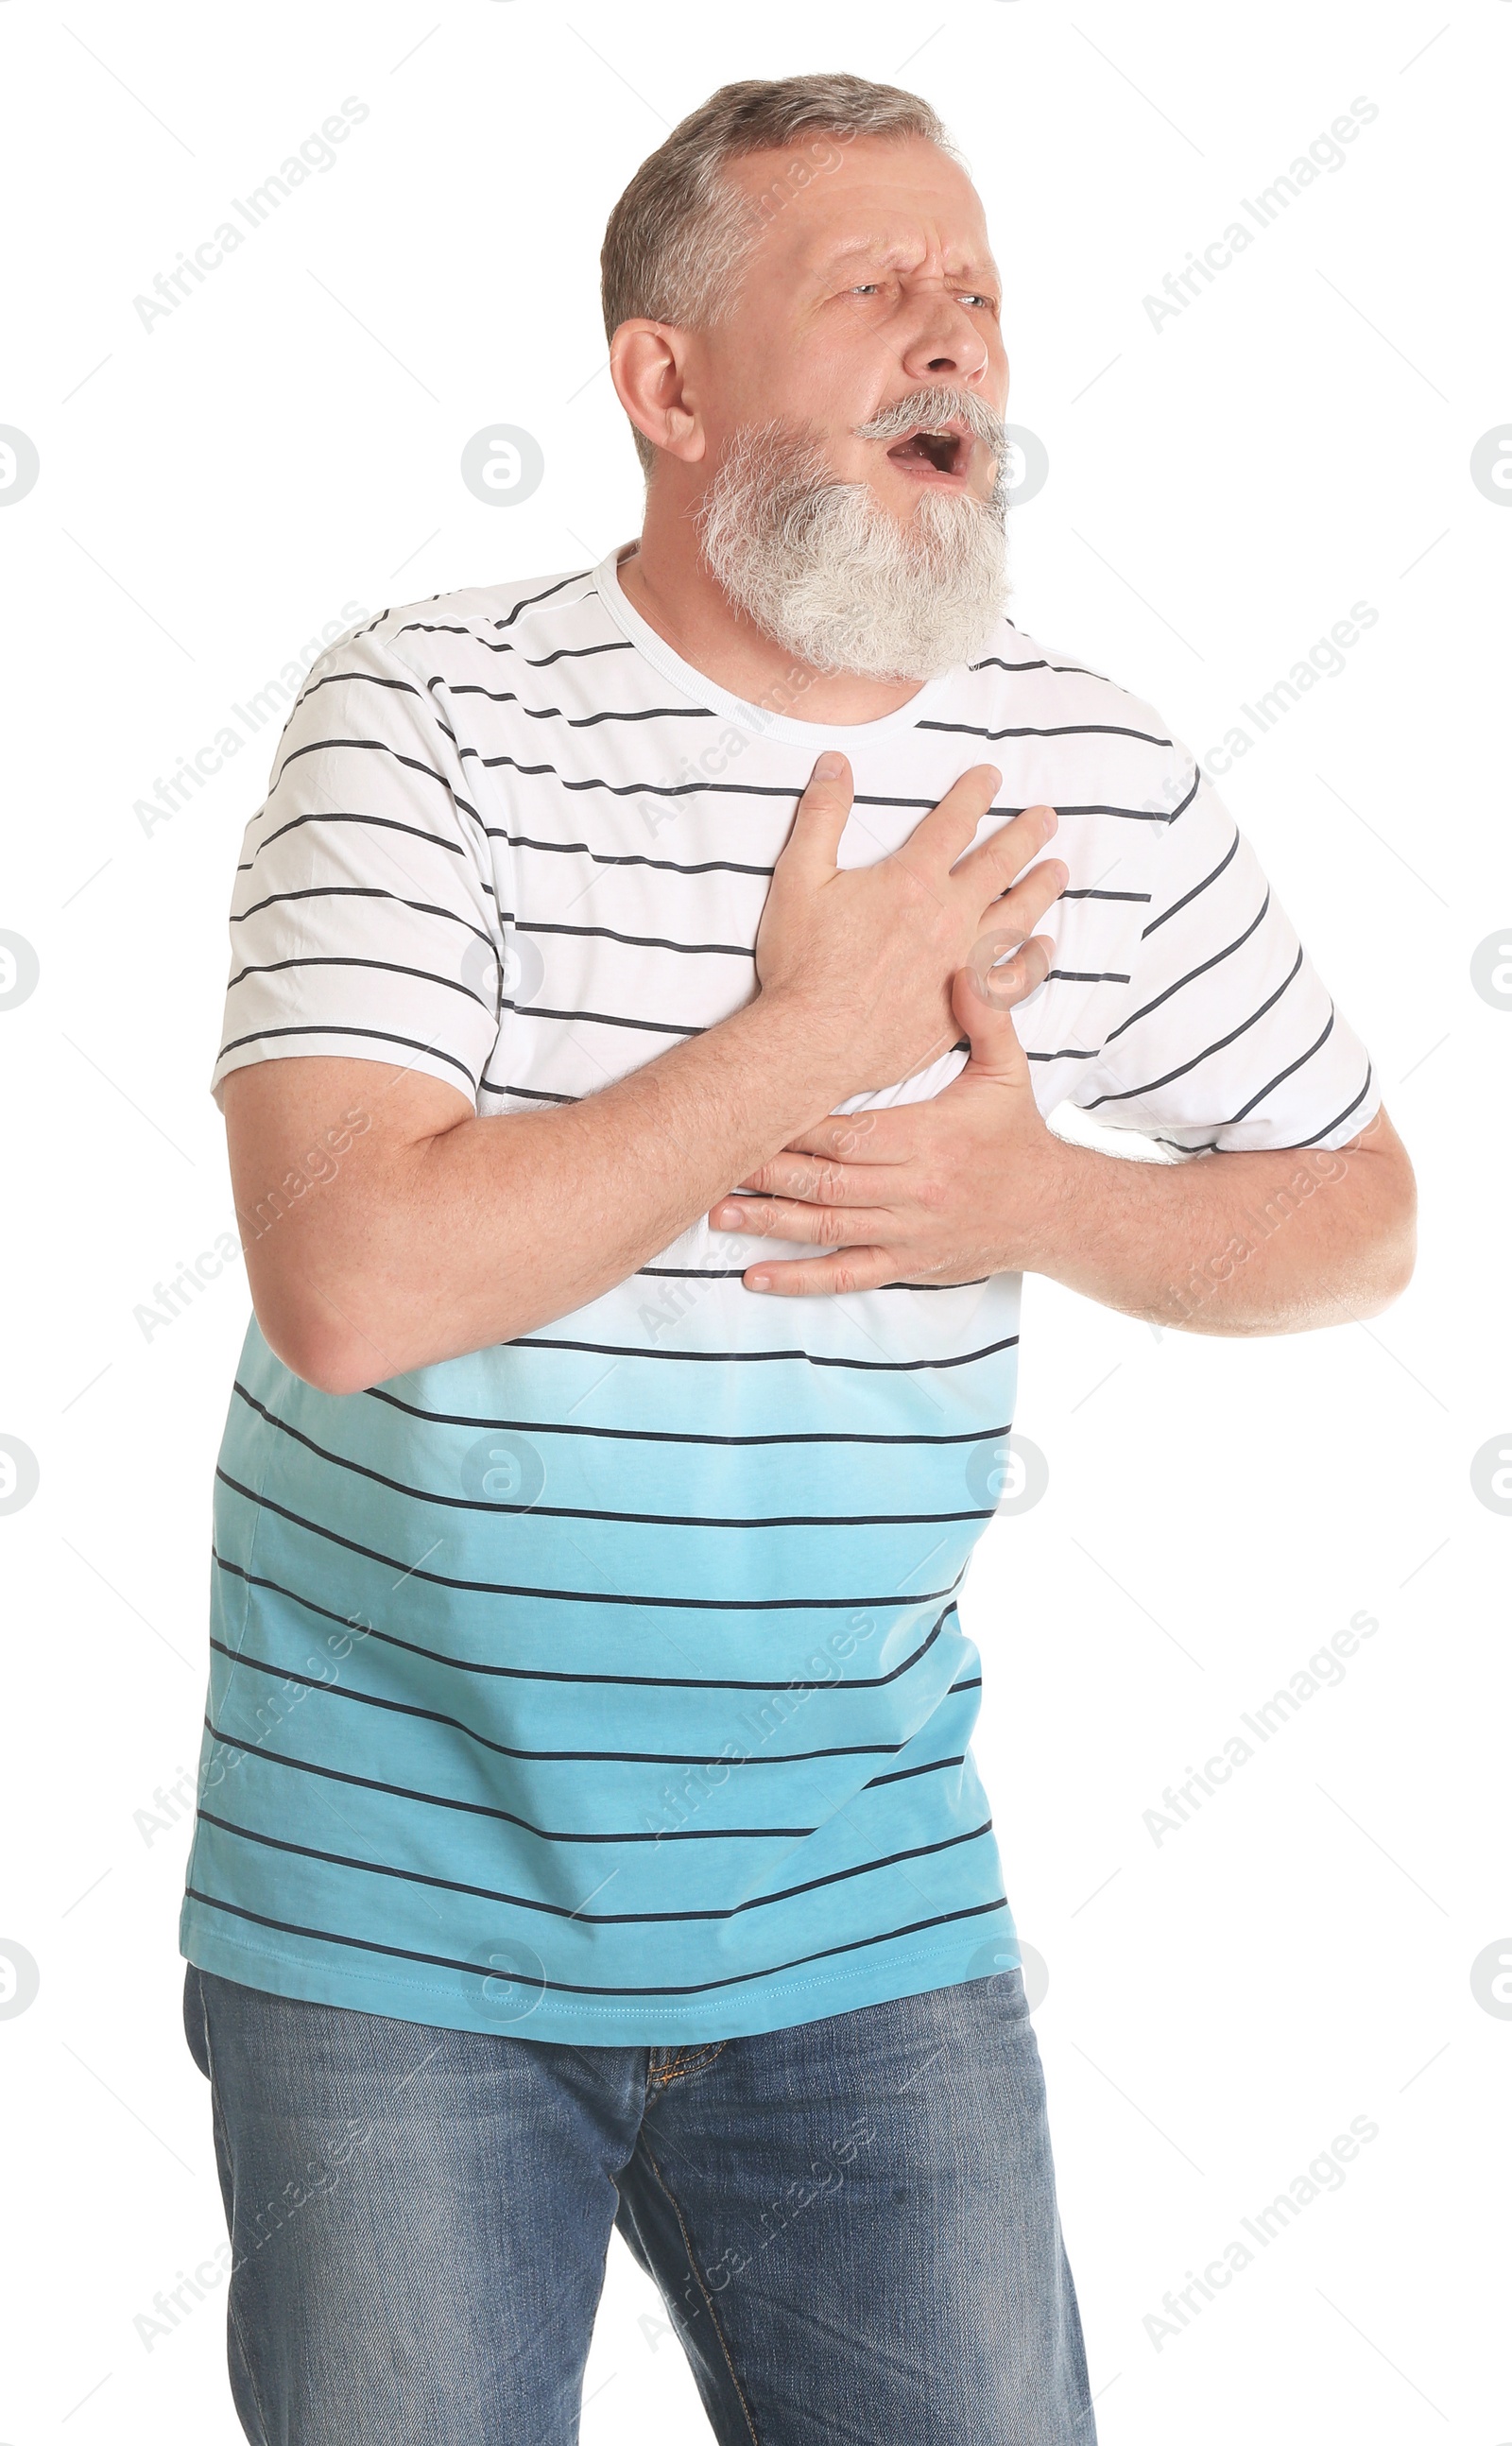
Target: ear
{"points": [[649, 368]]}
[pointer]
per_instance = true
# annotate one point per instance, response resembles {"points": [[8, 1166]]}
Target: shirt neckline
{"points": [[754, 718]]}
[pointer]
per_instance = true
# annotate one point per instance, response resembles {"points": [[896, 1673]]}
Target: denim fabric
{"points": [[852, 2224]]}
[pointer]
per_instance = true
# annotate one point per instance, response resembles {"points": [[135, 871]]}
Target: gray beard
{"points": [[823, 569]]}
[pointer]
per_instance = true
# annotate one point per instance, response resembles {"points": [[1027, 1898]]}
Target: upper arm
{"points": [[364, 920], [365, 983], [315, 1146]]}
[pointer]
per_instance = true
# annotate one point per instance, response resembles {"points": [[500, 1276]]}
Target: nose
{"points": [[946, 344]]}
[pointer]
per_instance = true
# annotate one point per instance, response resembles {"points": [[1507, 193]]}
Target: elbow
{"points": [[1386, 1265], [1396, 1261], [320, 1350]]}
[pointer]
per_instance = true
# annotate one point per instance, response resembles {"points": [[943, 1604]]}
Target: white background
{"points": [[212, 490]]}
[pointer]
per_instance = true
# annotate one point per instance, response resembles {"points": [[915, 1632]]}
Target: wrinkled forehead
{"points": [[825, 207]]}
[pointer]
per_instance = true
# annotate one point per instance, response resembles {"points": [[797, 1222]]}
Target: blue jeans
{"points": [[852, 2224]]}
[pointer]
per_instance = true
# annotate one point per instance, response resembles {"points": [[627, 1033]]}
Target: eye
{"points": [[974, 297], [867, 289]]}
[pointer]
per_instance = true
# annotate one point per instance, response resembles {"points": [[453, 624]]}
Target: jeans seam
{"points": [[218, 2124], [708, 2299], [687, 2060]]}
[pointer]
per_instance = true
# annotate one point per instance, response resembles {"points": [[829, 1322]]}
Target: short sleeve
{"points": [[364, 920], [1226, 1037]]}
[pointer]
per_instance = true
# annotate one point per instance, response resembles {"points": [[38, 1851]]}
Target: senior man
{"points": [[589, 1830]]}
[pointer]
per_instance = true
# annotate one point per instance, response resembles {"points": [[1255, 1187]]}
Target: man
{"points": [[589, 1832]]}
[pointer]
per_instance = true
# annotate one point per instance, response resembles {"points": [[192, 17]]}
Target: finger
{"points": [[851, 1270], [790, 1218], [996, 861], [939, 838], [812, 844], [1019, 911], [787, 1175], [985, 997]]}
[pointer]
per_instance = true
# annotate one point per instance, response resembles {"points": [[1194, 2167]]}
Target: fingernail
{"points": [[759, 1282], [829, 766]]}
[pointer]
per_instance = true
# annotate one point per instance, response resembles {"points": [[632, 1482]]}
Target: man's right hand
{"points": [[867, 953], [439, 1232]]}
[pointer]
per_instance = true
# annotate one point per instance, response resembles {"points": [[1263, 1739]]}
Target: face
{"points": [[872, 282]]}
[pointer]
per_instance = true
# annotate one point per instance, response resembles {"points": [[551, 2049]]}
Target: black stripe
{"points": [[625, 1681], [482, 1808], [732, 1358], [374, 1035], [642, 942], [1088, 892], [669, 1435], [373, 678], [663, 865], [528, 602], [573, 721], [1124, 1094], [604, 1919], [601, 1757], [585, 1596], [996, 662], [1054, 730], [1086, 977], [536, 1095], [1345, 1114], [349, 960], [368, 891], [566, 1987], [793, 793], [352, 816], [580, 1512], [377, 747], [604, 1019], [1201, 970], [905, 1774], [1228, 855], [574, 653], [1316, 1046]]}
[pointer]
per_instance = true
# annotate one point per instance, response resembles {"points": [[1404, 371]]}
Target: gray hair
{"points": [[680, 228]]}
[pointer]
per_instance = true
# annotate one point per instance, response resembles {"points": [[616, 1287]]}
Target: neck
{"points": [[675, 594]]}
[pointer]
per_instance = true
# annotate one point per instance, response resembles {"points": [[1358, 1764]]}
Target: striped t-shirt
{"points": [[608, 1685]]}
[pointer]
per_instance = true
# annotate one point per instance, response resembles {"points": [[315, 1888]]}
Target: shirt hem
{"points": [[776, 2005]]}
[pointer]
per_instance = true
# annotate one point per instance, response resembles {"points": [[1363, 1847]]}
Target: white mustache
{"points": [[938, 407]]}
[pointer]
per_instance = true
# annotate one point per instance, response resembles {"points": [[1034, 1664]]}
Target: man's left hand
{"points": [[963, 1185]]}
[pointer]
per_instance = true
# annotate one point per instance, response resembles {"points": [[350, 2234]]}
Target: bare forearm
{"points": [[1235, 1244], [467, 1235]]}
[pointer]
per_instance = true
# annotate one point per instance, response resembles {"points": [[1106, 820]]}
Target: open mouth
{"points": [[943, 447]]}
